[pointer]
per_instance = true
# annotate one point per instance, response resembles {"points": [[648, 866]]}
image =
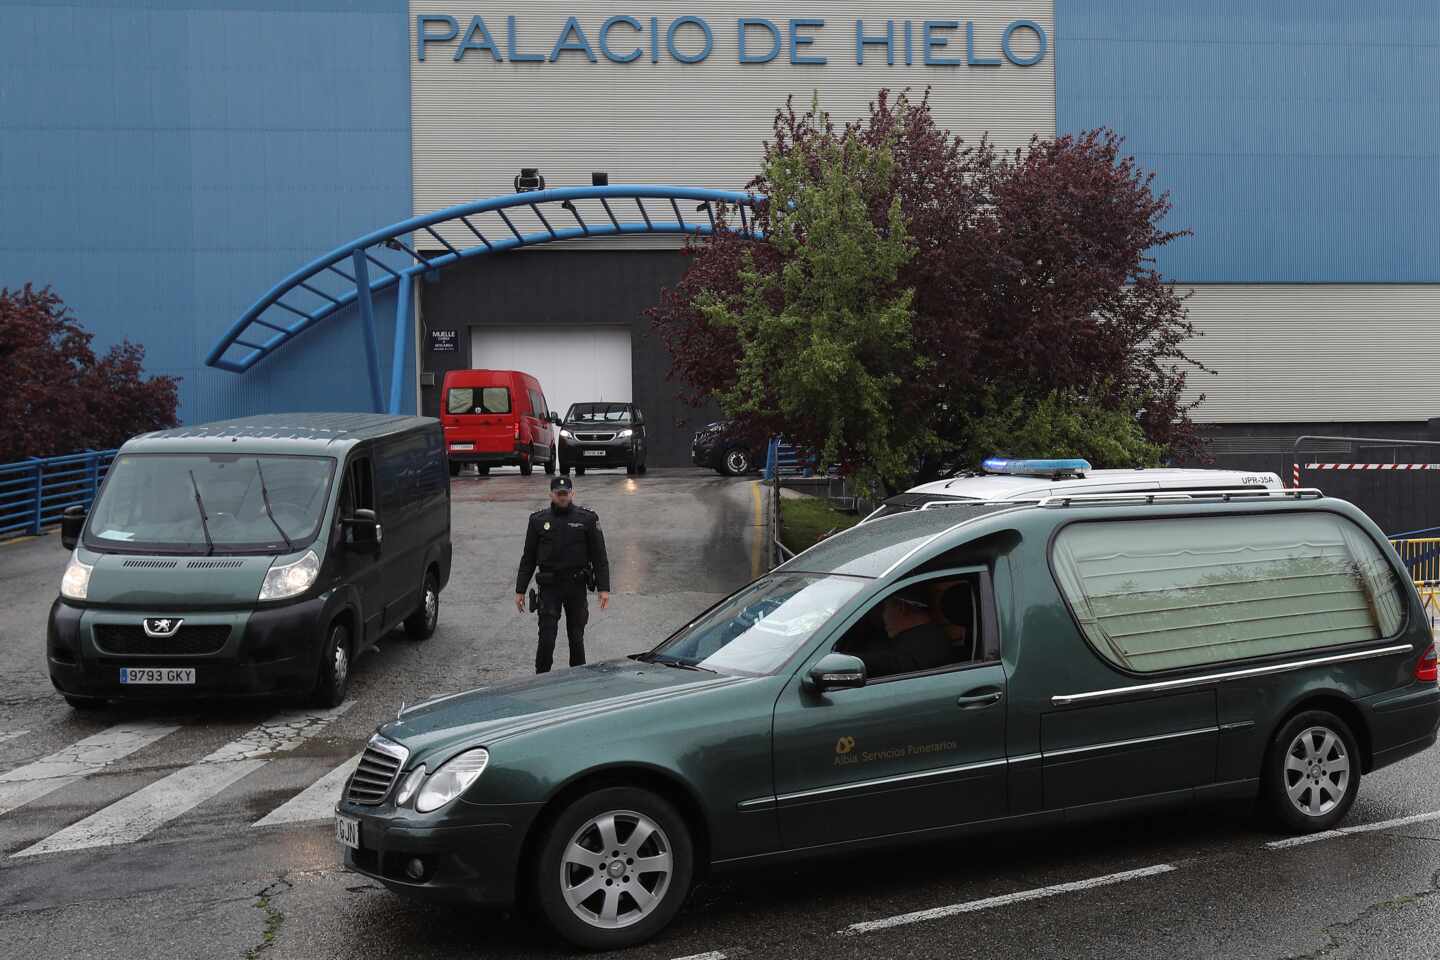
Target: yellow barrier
{"points": [[1421, 557]]}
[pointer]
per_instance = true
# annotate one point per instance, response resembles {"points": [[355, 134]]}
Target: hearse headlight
{"points": [[409, 786], [75, 584], [452, 779], [290, 579]]}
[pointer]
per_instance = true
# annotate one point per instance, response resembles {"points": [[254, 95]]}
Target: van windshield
{"points": [[598, 413], [154, 502], [470, 400]]}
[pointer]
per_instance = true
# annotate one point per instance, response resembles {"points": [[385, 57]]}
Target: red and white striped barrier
{"points": [[1361, 466], [1367, 466]]}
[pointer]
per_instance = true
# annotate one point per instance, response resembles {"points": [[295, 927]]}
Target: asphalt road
{"points": [[189, 834]]}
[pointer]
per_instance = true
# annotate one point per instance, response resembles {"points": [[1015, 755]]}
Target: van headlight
{"points": [[567, 434], [75, 584], [452, 779], [624, 433], [290, 579]]}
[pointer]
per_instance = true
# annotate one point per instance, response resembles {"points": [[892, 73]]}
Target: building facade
{"points": [[164, 162]]}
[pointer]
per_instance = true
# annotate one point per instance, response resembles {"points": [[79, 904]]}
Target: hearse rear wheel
{"points": [[1312, 772], [614, 868]]}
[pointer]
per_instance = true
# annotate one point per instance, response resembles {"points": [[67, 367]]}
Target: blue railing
{"points": [[35, 492], [787, 460]]}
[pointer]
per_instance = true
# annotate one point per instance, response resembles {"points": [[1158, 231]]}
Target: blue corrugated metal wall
{"points": [[164, 162], [1301, 142]]}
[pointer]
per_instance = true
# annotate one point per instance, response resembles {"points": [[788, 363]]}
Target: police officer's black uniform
{"points": [[565, 545]]}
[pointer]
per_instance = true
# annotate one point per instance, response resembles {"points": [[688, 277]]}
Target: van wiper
{"points": [[204, 524], [265, 495]]}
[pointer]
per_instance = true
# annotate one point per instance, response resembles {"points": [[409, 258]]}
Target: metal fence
{"points": [[35, 492]]}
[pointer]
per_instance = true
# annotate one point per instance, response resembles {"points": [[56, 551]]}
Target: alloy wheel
{"points": [[616, 869], [432, 606], [737, 462], [1317, 771]]}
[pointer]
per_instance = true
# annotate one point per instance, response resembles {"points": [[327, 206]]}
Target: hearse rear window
{"points": [[462, 400], [1161, 594]]}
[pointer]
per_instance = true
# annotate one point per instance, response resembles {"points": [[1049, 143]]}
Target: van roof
{"points": [[478, 376], [1013, 487], [277, 433]]}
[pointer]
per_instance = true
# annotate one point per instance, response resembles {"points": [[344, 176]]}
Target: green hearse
{"points": [[919, 676], [252, 557]]}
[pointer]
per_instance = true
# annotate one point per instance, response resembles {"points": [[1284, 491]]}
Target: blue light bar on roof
{"points": [[1036, 468]]}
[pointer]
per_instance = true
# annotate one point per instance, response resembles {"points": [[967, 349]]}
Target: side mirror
{"points": [[554, 417], [72, 521], [836, 671], [363, 533]]}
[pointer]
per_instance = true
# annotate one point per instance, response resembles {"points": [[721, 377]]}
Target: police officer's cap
{"points": [[561, 483]]}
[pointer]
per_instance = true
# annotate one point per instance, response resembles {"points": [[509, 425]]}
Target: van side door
{"points": [[400, 463], [359, 571]]}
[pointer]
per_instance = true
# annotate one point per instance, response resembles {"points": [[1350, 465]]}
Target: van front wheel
{"points": [[420, 625], [334, 680], [1312, 772]]}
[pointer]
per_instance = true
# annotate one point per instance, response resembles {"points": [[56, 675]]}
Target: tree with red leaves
{"points": [[60, 398], [1033, 295]]}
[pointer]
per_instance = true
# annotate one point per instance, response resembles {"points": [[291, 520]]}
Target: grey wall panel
{"points": [[477, 122], [1296, 353]]}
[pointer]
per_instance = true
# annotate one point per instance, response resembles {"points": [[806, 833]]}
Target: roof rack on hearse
{"points": [[1187, 496]]}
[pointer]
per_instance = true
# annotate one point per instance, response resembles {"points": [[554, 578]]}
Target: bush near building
{"points": [[58, 396], [914, 295]]}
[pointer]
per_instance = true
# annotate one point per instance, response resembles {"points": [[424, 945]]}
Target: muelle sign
{"points": [[757, 40]]}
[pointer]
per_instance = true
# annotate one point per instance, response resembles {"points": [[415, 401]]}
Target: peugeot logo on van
{"points": [[161, 628]]}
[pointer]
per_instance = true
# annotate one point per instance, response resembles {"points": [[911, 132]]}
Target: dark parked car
{"points": [[603, 435], [916, 678], [727, 448]]}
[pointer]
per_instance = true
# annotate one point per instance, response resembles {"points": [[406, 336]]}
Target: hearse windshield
{"points": [[755, 630], [598, 413], [210, 503]]}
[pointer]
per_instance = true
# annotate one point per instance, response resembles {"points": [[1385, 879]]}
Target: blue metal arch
{"points": [[308, 296]]}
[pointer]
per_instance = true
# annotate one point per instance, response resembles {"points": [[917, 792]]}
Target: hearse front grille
{"points": [[131, 640], [380, 765]]}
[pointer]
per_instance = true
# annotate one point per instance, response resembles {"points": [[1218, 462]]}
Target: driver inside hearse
{"points": [[920, 628]]}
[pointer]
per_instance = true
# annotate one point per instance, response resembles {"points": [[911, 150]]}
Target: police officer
{"points": [[565, 542]]}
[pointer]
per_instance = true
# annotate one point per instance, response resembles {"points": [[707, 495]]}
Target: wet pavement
{"points": [[209, 882]]}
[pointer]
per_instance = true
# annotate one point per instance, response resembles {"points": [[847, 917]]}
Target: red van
{"points": [[497, 418]]}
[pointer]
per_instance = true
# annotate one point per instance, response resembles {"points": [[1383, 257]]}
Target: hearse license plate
{"points": [[347, 832], [594, 453], [161, 675]]}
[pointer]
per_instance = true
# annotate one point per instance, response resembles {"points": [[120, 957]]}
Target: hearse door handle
{"points": [[977, 701]]}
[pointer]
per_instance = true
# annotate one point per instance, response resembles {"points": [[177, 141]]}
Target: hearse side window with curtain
{"points": [[1164, 594]]}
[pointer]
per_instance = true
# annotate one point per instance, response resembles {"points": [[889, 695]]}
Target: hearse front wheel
{"points": [[614, 868], [1312, 772]]}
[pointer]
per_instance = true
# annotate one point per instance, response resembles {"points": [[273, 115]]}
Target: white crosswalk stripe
{"points": [[315, 802], [82, 758], [138, 815]]}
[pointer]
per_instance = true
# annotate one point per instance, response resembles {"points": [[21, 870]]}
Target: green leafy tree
{"points": [[826, 340]]}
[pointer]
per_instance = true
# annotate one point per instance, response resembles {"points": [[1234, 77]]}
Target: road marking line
{"points": [[12, 735], [712, 955], [139, 814], [1347, 831], [1003, 900], [315, 802], [82, 758]]}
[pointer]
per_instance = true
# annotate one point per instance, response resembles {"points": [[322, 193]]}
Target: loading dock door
{"points": [[573, 364]]}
